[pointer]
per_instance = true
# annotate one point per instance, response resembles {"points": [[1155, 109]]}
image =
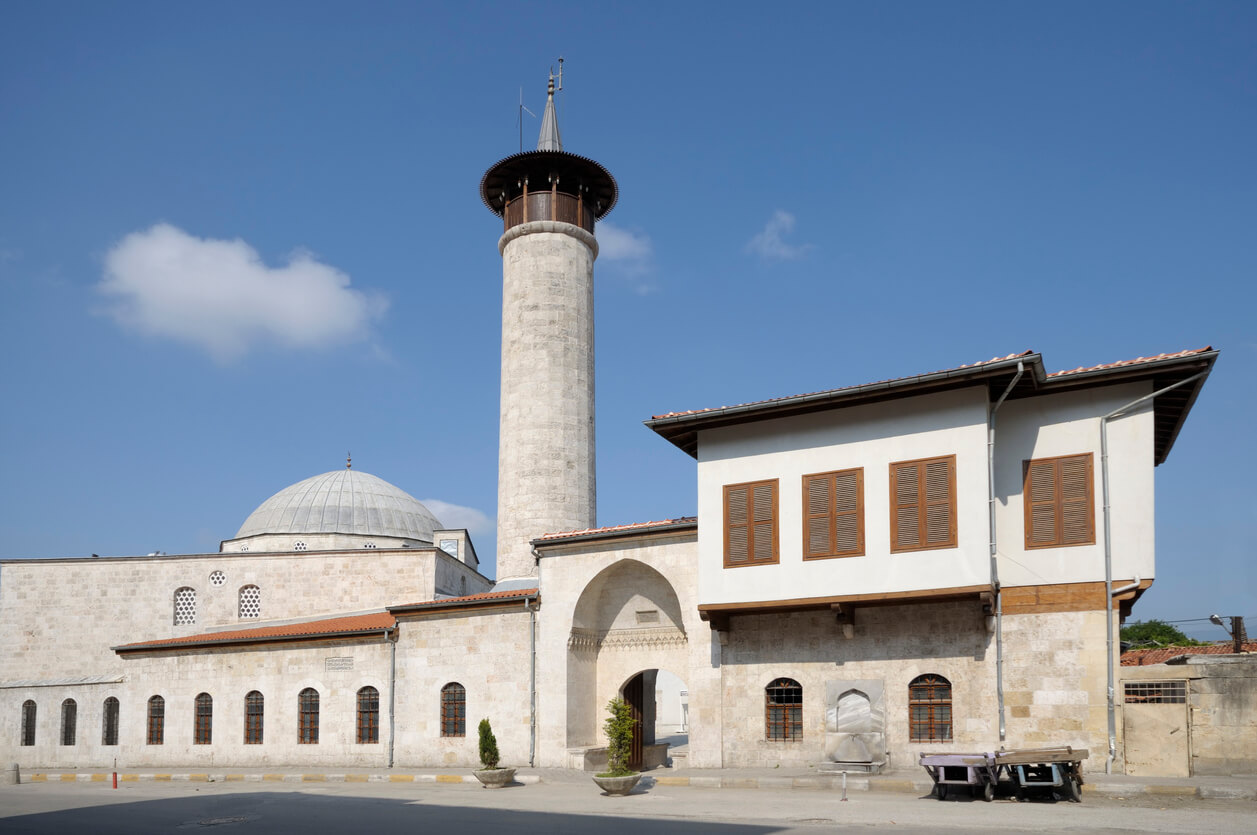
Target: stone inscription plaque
{"points": [[336, 665]]}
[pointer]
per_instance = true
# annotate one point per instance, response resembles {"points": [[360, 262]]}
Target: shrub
{"points": [[619, 730], [488, 745]]}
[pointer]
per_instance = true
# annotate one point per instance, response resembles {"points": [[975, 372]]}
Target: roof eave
{"points": [[671, 527], [267, 639]]}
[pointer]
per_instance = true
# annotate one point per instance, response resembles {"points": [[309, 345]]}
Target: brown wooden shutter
{"points": [[907, 516], [833, 523], [938, 502], [737, 531], [819, 499], [1075, 481], [1059, 504], [751, 523], [848, 510], [1041, 505], [764, 534], [923, 493]]}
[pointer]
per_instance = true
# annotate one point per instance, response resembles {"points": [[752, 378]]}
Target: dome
{"points": [[345, 502]]}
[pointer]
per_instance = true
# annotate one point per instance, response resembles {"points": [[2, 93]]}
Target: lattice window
{"points": [[109, 723], [783, 710], [244, 547], [368, 715], [453, 710], [369, 545], [254, 713], [1155, 692], [308, 717], [203, 731], [929, 709], [250, 602], [185, 606], [156, 721], [217, 578], [69, 720], [28, 722], [299, 545]]}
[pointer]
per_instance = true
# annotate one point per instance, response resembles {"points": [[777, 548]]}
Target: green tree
{"points": [[1156, 633], [488, 745], [619, 729]]}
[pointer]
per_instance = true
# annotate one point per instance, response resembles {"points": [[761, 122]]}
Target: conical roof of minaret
{"points": [[549, 139]]}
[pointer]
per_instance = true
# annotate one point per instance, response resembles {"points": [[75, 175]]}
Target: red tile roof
{"points": [[1144, 657], [632, 527], [844, 388], [467, 599], [327, 627], [1135, 361]]}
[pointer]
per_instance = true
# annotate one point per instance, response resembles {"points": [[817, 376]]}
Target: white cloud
{"points": [[456, 516], [616, 244], [219, 296], [769, 243]]}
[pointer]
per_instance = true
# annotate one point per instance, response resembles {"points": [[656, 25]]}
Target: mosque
{"points": [[936, 560]]}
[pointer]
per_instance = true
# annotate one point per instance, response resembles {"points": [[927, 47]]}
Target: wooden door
{"points": [[634, 692]]}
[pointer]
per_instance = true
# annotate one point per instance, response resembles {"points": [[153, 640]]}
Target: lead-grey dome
{"points": [[342, 501]]}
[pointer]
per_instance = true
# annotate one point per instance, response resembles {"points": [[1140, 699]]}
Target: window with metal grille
{"points": [[185, 606], [156, 720], [1059, 502], [833, 514], [308, 717], [783, 710], [929, 709], [298, 545], [923, 504], [217, 578], [28, 722], [203, 732], [1155, 692], [109, 723], [254, 717], [453, 710], [69, 718], [250, 602], [368, 715], [751, 523]]}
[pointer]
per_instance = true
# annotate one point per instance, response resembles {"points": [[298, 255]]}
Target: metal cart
{"points": [[1027, 769]]}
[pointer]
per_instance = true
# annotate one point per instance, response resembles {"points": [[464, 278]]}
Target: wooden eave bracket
{"points": [[987, 599], [718, 621]]}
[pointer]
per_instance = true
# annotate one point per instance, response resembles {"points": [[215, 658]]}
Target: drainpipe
{"points": [[532, 667], [999, 598], [392, 682], [1108, 556]]}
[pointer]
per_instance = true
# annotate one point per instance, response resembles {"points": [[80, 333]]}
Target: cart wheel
{"points": [[940, 791], [1073, 791], [988, 791]]}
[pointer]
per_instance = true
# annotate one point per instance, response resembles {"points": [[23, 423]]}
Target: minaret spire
{"points": [[549, 139]]}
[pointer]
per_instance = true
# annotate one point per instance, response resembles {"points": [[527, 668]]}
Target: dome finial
{"points": [[349, 461], [549, 139]]}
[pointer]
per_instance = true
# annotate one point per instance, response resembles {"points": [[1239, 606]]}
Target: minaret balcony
{"points": [[548, 205]]}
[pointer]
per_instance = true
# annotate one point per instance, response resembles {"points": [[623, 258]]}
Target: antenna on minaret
{"points": [[520, 119]]}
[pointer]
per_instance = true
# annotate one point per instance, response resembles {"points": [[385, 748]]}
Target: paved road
{"points": [[174, 808]]}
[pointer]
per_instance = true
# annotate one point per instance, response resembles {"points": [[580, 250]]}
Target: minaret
{"points": [[548, 200]]}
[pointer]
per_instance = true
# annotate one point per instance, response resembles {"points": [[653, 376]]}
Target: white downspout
{"points": [[1108, 558], [999, 604], [392, 686]]}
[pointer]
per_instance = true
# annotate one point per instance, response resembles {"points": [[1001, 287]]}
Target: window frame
{"points": [[192, 606], [203, 720], [254, 717], [453, 711], [30, 713], [1058, 502], [109, 721], [933, 704], [750, 486], [923, 504], [240, 602], [155, 726], [69, 722], [308, 717], [368, 725], [832, 514], [784, 715]]}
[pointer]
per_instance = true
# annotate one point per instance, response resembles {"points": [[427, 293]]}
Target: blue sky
{"points": [[812, 195]]}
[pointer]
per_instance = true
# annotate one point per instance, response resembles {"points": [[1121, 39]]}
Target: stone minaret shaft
{"points": [[549, 200]]}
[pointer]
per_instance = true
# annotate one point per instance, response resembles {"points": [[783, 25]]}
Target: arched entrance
{"points": [[660, 703]]}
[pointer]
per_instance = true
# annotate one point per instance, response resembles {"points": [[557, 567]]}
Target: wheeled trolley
{"points": [[1028, 769], [979, 772]]}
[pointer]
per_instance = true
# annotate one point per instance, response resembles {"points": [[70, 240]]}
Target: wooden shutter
{"points": [[751, 523], [923, 504], [1059, 503], [833, 514]]}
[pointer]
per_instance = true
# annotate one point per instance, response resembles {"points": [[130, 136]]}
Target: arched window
{"points": [[453, 710], [308, 717], [929, 709], [109, 723], [203, 732], [783, 710], [185, 605], [250, 602], [28, 722], [254, 705], [69, 717], [368, 715], [156, 720]]}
